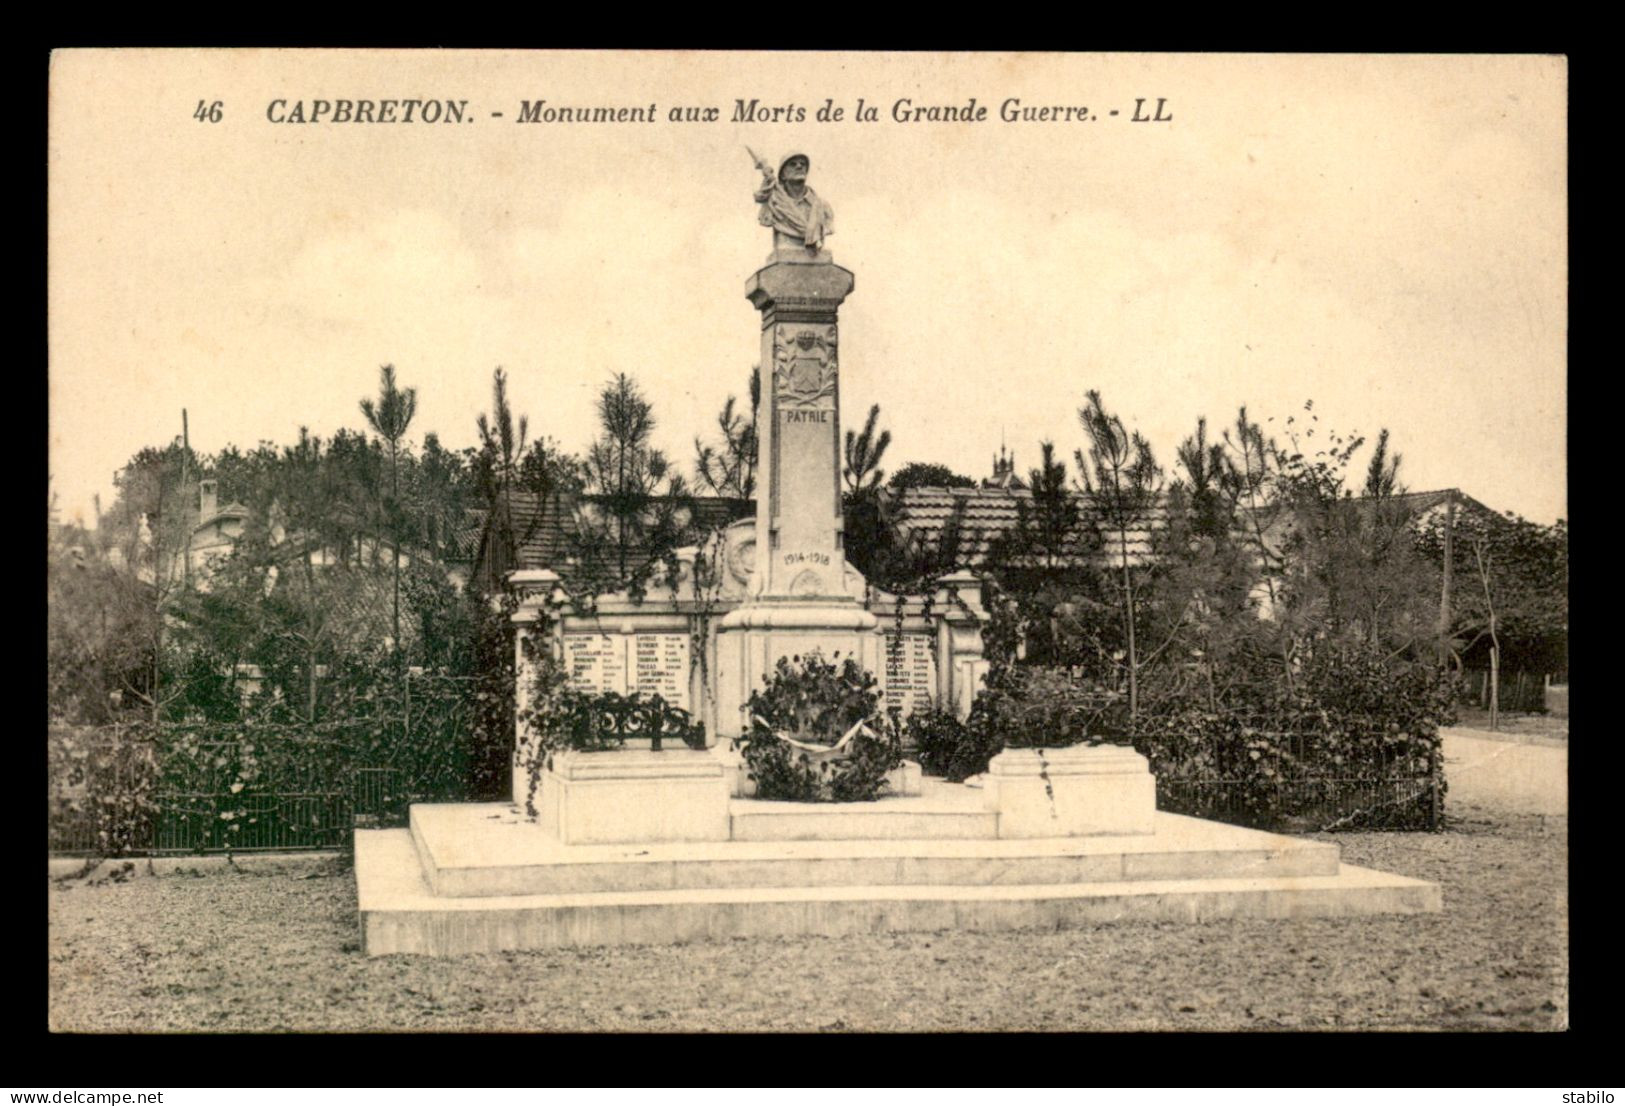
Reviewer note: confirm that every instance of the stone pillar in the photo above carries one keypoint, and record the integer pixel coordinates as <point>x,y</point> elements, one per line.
<point>798,520</point>
<point>962,670</point>
<point>539,592</point>
<point>803,595</point>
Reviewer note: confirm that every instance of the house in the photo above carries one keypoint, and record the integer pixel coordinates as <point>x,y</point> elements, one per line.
<point>978,518</point>
<point>216,534</point>
<point>528,531</point>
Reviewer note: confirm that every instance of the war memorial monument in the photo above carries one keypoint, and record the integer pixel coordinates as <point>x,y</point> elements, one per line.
<point>661,842</point>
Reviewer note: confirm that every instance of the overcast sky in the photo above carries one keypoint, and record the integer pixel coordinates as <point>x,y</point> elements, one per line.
<point>1385,236</point>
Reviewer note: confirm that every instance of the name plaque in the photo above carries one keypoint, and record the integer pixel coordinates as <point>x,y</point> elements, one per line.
<point>596,662</point>
<point>661,667</point>
<point>911,672</point>
<point>642,664</point>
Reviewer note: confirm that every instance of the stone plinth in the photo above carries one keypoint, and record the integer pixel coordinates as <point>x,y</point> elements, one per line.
<point>1071,792</point>
<point>752,639</point>
<point>634,796</point>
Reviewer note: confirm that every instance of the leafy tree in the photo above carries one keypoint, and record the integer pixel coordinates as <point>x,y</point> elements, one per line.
<point>1252,459</point>
<point>1199,593</point>
<point>1512,597</point>
<point>389,416</point>
<point>100,633</point>
<point>149,528</point>
<point>1123,480</point>
<point>925,474</point>
<point>309,546</point>
<point>441,486</point>
<point>729,468</point>
<point>1351,568</point>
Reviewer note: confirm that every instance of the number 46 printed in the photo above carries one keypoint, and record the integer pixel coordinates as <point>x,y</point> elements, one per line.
<point>207,112</point>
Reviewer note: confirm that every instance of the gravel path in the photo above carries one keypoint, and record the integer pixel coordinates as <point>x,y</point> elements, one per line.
<point>276,949</point>
<point>1503,773</point>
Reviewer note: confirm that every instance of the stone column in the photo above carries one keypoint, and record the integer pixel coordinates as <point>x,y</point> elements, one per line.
<point>798,520</point>
<point>803,595</point>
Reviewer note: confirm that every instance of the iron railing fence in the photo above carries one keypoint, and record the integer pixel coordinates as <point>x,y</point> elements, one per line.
<point>1325,803</point>
<point>106,810</point>
<point>1300,780</point>
<point>202,787</point>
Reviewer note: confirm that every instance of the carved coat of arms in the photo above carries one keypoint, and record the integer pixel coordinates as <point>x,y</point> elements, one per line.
<point>804,366</point>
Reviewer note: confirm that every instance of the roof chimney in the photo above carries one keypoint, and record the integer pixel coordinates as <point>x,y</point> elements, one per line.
<point>209,497</point>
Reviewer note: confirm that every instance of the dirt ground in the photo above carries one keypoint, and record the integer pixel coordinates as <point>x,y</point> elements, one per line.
<point>1510,724</point>
<point>1508,773</point>
<point>276,948</point>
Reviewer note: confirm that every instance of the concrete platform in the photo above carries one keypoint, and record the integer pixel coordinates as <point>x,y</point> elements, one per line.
<point>470,850</point>
<point>479,878</point>
<point>401,914</point>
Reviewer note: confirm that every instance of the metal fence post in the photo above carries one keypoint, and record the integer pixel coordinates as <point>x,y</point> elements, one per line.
<point>1433,787</point>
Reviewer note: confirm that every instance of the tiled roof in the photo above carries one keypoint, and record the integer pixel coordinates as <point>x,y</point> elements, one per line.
<point>988,514</point>
<point>359,599</point>
<point>543,527</point>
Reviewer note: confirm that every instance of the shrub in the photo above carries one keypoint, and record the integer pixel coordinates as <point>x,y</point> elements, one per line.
<point>950,748</point>
<point>103,782</point>
<point>1046,708</point>
<point>817,702</point>
<point>1352,743</point>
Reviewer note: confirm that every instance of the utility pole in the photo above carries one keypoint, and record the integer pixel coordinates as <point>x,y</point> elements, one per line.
<point>1449,568</point>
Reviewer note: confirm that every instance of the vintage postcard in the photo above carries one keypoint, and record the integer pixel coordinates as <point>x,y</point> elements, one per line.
<point>860,541</point>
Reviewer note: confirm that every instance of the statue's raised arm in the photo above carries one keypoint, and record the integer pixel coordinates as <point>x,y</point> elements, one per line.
<point>798,217</point>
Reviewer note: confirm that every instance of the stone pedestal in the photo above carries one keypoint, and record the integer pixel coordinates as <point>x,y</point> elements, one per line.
<point>751,639</point>
<point>1071,792</point>
<point>634,796</point>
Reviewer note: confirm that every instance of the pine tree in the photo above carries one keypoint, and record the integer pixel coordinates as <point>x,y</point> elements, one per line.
<point>502,447</point>
<point>1123,480</point>
<point>389,416</point>
<point>637,494</point>
<point>863,455</point>
<point>729,469</point>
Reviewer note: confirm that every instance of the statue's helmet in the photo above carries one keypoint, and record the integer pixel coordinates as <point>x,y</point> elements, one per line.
<point>788,158</point>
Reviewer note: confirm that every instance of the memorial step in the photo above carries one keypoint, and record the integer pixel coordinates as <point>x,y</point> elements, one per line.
<point>758,821</point>
<point>488,850</point>
<point>400,913</point>
<point>941,812</point>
